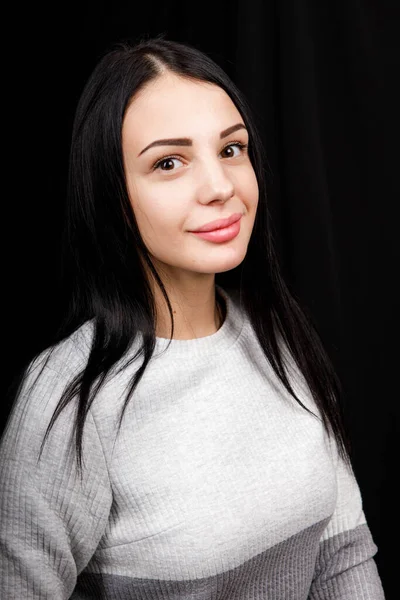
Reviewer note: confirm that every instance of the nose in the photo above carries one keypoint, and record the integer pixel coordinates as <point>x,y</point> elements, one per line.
<point>214,183</point>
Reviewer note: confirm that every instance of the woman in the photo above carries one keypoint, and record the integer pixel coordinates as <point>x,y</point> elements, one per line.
<point>182,436</point>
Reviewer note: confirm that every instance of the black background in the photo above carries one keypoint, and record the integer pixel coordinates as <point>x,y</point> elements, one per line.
<point>321,77</point>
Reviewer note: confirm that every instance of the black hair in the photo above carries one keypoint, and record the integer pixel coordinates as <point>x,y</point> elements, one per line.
<point>105,258</point>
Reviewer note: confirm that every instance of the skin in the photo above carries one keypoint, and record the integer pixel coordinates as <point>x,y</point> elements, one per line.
<point>210,179</point>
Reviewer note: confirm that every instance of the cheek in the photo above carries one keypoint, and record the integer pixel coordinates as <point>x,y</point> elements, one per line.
<point>160,213</point>
<point>247,190</point>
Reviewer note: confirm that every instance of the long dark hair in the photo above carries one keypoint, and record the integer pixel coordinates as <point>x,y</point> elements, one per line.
<point>105,257</point>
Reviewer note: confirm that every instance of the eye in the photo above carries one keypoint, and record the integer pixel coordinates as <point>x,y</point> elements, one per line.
<point>229,149</point>
<point>166,163</point>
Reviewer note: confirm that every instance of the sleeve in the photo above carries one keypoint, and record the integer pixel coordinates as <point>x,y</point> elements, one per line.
<point>345,568</point>
<point>52,517</point>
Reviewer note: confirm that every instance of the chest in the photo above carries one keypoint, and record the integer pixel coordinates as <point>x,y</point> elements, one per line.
<point>215,471</point>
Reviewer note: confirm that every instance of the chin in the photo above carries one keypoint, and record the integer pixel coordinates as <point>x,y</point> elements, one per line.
<point>229,263</point>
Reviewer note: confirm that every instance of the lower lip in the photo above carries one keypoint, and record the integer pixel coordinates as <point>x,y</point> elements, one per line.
<point>220,235</point>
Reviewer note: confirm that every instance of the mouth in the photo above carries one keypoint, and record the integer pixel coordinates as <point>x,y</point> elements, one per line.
<point>219,224</point>
<point>223,234</point>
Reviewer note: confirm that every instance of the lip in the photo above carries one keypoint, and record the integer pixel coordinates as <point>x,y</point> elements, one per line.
<point>218,236</point>
<point>218,224</point>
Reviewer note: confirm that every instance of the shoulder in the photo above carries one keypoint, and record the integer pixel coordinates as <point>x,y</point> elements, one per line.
<point>46,378</point>
<point>67,357</point>
<point>63,361</point>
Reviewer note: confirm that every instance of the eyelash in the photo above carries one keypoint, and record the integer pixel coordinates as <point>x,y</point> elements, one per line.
<point>243,148</point>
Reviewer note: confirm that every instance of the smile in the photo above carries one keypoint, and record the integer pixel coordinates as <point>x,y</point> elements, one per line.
<point>218,236</point>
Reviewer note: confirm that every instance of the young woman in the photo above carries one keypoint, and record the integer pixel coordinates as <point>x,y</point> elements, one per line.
<point>182,437</point>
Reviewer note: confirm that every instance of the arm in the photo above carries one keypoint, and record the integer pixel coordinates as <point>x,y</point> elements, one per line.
<point>345,568</point>
<point>51,518</point>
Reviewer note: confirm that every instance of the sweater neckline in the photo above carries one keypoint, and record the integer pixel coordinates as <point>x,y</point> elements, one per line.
<point>217,342</point>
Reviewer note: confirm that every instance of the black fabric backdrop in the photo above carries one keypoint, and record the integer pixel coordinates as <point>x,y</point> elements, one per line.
<point>321,78</point>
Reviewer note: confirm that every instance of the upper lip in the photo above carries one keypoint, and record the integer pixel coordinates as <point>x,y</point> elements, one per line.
<point>219,223</point>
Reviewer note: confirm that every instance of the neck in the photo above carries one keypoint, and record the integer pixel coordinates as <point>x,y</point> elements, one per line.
<point>195,308</point>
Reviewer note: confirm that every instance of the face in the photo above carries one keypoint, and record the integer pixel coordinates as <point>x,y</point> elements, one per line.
<point>186,163</point>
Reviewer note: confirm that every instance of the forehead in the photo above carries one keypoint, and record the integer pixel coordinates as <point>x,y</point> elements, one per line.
<point>173,106</point>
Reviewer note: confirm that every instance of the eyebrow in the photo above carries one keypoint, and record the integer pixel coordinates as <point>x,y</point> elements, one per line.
<point>188,141</point>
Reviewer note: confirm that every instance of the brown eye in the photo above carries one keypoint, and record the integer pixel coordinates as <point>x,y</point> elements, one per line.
<point>166,164</point>
<point>229,151</point>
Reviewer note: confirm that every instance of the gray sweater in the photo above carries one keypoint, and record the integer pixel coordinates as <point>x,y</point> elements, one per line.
<point>218,485</point>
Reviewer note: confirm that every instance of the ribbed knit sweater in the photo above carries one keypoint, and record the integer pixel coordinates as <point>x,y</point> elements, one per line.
<point>218,486</point>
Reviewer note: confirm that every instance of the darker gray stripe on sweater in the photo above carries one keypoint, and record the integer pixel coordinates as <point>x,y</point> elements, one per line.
<point>270,575</point>
<point>333,575</point>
